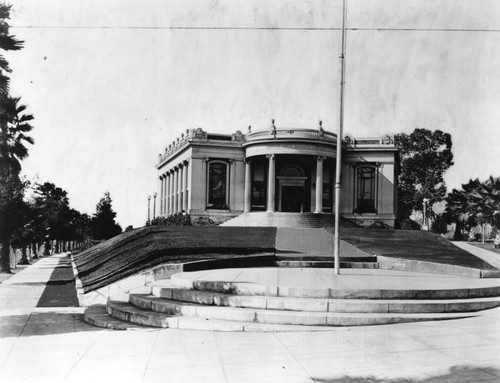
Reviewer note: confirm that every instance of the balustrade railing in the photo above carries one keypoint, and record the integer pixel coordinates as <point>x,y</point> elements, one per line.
<point>291,133</point>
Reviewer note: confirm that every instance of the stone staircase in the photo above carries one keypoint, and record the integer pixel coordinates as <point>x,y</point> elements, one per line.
<point>295,220</point>
<point>308,247</point>
<point>191,301</point>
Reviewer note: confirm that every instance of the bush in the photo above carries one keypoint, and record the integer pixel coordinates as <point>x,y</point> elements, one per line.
<point>178,219</point>
<point>204,221</point>
<point>439,225</point>
<point>379,225</point>
<point>409,224</point>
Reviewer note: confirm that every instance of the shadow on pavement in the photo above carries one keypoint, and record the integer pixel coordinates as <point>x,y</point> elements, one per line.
<point>60,290</point>
<point>456,374</point>
<point>43,323</point>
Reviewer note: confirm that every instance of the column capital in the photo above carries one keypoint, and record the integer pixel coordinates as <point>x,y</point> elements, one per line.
<point>270,155</point>
<point>321,158</point>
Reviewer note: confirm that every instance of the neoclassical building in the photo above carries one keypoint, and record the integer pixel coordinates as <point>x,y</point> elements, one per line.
<point>277,170</point>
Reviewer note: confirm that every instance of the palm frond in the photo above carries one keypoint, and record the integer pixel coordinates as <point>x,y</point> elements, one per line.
<point>10,43</point>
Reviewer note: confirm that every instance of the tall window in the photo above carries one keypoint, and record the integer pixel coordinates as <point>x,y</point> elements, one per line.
<point>365,190</point>
<point>217,185</point>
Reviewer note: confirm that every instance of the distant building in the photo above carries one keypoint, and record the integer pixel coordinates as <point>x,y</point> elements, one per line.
<point>285,170</point>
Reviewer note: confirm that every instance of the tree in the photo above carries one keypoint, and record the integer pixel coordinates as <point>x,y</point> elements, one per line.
<point>439,225</point>
<point>484,201</point>
<point>103,221</point>
<point>425,157</point>
<point>477,203</point>
<point>457,212</point>
<point>11,203</point>
<point>7,43</point>
<point>13,128</point>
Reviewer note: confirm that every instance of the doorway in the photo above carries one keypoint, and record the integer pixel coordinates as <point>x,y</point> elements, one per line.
<point>292,198</point>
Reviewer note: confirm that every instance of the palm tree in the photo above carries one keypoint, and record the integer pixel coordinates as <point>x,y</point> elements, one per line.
<point>7,43</point>
<point>14,125</point>
<point>458,211</point>
<point>485,201</point>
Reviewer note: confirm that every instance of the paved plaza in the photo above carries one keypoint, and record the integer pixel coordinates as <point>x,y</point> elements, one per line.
<point>53,344</point>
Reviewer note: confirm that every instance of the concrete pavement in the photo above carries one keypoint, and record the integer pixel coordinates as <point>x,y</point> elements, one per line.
<point>488,256</point>
<point>53,344</point>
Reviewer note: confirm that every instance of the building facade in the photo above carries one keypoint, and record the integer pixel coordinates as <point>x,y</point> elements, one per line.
<point>277,170</point>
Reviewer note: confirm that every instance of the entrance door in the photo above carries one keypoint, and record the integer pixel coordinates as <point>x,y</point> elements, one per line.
<point>292,198</point>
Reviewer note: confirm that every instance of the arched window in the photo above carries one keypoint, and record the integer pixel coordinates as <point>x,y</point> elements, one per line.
<point>217,188</point>
<point>366,190</point>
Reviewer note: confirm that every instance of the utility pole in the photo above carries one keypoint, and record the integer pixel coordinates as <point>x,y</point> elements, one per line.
<point>149,203</point>
<point>338,164</point>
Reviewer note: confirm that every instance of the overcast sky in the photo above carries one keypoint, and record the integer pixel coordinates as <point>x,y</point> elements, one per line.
<point>112,83</point>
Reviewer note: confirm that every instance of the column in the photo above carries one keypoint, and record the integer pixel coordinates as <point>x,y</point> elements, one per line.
<point>181,188</point>
<point>167,196</point>
<point>319,185</point>
<point>190,185</point>
<point>164,195</point>
<point>174,191</point>
<point>165,186</point>
<point>162,184</point>
<point>185,183</point>
<point>271,185</point>
<point>248,187</point>
<point>171,192</point>
<point>204,184</point>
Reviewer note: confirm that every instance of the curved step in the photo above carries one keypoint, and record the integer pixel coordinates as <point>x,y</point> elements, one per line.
<point>97,316</point>
<point>325,264</point>
<point>305,318</point>
<point>245,288</point>
<point>152,319</point>
<point>322,304</point>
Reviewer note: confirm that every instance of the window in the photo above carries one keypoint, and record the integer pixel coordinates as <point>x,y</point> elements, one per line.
<point>217,185</point>
<point>365,190</point>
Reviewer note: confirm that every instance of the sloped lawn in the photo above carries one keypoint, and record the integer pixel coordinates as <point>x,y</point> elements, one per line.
<point>140,249</point>
<point>412,245</point>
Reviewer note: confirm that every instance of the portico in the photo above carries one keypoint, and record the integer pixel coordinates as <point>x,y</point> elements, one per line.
<point>277,170</point>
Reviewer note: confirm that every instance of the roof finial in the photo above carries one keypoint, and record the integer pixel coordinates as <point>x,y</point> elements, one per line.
<point>249,128</point>
<point>321,130</point>
<point>273,128</point>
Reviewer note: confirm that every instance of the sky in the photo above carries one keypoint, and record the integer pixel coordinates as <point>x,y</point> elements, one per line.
<point>112,82</point>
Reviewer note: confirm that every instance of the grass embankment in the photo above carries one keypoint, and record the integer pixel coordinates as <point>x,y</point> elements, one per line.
<point>140,249</point>
<point>411,245</point>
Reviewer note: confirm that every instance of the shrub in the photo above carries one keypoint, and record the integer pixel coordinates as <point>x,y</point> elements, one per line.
<point>203,221</point>
<point>379,225</point>
<point>409,224</point>
<point>178,219</point>
<point>439,225</point>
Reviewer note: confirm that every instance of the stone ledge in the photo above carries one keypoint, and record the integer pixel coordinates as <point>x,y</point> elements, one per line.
<point>389,263</point>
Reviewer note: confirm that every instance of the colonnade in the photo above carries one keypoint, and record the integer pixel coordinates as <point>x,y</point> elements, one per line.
<point>175,185</point>
<point>271,184</point>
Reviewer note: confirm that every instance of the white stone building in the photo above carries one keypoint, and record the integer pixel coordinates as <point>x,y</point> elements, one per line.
<point>277,170</point>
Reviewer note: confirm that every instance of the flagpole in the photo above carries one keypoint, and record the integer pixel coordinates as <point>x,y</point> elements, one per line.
<point>338,165</point>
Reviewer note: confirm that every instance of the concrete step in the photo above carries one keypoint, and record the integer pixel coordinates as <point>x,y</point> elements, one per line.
<point>172,308</point>
<point>243,288</point>
<point>325,305</point>
<point>97,316</point>
<point>325,258</point>
<point>294,220</point>
<point>148,318</point>
<point>326,264</point>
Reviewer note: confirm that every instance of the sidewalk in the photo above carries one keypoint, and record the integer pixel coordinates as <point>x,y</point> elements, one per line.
<point>53,344</point>
<point>488,256</point>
